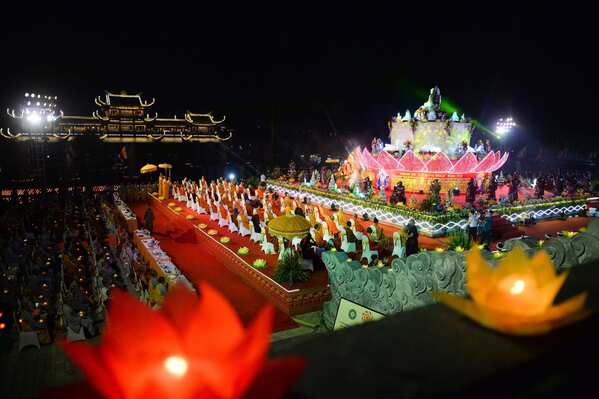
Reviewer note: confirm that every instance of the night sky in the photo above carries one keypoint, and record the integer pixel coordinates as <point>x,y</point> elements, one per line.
<point>347,67</point>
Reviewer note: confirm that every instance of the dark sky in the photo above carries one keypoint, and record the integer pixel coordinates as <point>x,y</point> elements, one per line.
<point>358,63</point>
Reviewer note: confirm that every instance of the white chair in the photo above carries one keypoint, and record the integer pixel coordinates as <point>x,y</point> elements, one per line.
<point>28,338</point>
<point>267,247</point>
<point>366,252</point>
<point>358,235</point>
<point>213,215</point>
<point>326,236</point>
<point>347,246</point>
<point>295,242</point>
<point>243,230</point>
<point>231,226</point>
<point>254,236</point>
<point>222,222</point>
<point>200,209</point>
<point>398,248</point>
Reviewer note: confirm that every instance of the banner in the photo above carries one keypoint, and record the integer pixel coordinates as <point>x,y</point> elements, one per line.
<point>351,314</point>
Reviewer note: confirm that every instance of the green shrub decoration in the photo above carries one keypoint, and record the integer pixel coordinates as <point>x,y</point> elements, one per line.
<point>459,238</point>
<point>289,269</point>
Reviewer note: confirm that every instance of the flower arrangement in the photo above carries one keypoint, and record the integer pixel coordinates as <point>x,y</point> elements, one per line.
<point>176,362</point>
<point>259,264</point>
<point>570,234</point>
<point>243,251</point>
<point>225,240</point>
<point>517,296</point>
<point>439,249</point>
<point>212,232</point>
<point>289,270</point>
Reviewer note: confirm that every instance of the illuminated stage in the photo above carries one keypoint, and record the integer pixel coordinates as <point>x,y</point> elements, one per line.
<point>431,145</point>
<point>417,173</point>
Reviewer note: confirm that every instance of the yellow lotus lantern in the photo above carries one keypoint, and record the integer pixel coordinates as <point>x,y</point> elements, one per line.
<point>517,296</point>
<point>189,217</point>
<point>178,209</point>
<point>172,204</point>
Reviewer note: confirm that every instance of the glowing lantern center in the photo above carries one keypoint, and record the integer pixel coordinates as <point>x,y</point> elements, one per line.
<point>517,287</point>
<point>176,365</point>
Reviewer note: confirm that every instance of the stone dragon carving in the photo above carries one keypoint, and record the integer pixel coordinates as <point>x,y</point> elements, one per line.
<point>409,282</point>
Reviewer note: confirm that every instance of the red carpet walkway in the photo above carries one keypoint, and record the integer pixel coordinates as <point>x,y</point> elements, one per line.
<point>198,264</point>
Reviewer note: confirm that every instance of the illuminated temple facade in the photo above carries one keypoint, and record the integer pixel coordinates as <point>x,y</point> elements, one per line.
<point>119,118</point>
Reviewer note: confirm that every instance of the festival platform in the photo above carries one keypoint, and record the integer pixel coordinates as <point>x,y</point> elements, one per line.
<point>429,224</point>
<point>297,299</point>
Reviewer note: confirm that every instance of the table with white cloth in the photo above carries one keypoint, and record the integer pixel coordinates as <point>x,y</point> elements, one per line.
<point>125,213</point>
<point>150,250</point>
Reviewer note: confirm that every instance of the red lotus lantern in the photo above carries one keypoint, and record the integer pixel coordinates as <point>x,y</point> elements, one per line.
<point>192,348</point>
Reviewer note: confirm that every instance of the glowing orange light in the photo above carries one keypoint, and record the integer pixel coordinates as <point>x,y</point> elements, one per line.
<point>2,326</point>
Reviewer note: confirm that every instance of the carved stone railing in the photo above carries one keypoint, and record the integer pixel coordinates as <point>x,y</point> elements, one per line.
<point>409,282</point>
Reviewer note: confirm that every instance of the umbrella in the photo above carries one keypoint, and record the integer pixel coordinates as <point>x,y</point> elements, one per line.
<point>167,167</point>
<point>289,226</point>
<point>148,168</point>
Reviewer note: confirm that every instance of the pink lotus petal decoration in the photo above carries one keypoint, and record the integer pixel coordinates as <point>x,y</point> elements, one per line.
<point>387,160</point>
<point>439,163</point>
<point>410,162</point>
<point>369,160</point>
<point>486,163</point>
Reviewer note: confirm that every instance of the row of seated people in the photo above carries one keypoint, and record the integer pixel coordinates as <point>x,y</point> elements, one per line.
<point>247,211</point>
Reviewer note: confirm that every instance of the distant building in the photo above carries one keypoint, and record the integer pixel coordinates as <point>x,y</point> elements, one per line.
<point>121,118</point>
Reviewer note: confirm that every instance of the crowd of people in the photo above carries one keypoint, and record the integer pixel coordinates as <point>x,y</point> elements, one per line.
<point>248,209</point>
<point>61,254</point>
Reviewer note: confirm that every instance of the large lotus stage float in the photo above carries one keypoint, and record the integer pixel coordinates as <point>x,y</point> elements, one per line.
<point>429,146</point>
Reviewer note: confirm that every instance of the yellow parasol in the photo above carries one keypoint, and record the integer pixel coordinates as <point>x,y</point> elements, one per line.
<point>148,168</point>
<point>289,226</point>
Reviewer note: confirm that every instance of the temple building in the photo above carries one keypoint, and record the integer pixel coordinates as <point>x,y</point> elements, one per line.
<point>120,118</point>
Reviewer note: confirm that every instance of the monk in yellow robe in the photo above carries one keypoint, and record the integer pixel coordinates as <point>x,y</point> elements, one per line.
<point>244,220</point>
<point>341,218</point>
